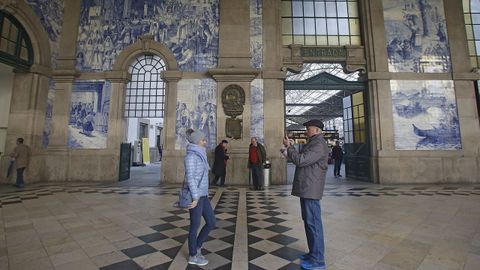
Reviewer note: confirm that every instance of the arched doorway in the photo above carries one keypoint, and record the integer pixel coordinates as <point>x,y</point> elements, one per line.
<point>145,114</point>
<point>324,91</point>
<point>16,53</point>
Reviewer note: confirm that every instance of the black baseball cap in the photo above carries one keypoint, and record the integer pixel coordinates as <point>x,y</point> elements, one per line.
<point>315,123</point>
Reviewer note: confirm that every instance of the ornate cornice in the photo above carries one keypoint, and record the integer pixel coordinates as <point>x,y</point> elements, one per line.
<point>234,74</point>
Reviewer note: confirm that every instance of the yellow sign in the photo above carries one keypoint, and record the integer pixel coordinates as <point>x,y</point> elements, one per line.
<point>145,150</point>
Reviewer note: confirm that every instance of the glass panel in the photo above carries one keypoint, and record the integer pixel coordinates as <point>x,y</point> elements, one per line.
<point>468,19</point>
<point>475,5</point>
<point>331,9</point>
<point>3,45</point>
<point>357,137</point>
<point>297,9</point>
<point>361,111</point>
<point>357,98</point>
<point>24,54</point>
<point>13,33</point>
<point>469,29</point>
<point>332,27</point>
<point>343,27</point>
<point>344,40</point>
<point>353,9</point>
<point>287,40</point>
<point>6,27</point>
<point>476,30</point>
<point>308,9</point>
<point>322,40</point>
<point>287,26</point>
<point>354,27</point>
<point>473,61</point>
<point>299,40</point>
<point>355,40</point>
<point>286,9</point>
<point>309,26</point>
<point>471,48</point>
<point>333,40</point>
<point>298,26</point>
<point>476,18</point>
<point>320,9</point>
<point>321,26</point>
<point>310,40</point>
<point>11,48</point>
<point>466,6</point>
<point>342,9</point>
<point>347,102</point>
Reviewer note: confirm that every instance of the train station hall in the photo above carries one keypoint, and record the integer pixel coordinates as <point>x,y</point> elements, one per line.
<point>240,134</point>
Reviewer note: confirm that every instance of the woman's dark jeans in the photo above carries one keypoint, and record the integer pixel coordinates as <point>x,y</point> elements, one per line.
<point>204,209</point>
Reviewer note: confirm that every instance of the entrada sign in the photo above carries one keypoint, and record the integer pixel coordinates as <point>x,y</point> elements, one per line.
<point>324,52</point>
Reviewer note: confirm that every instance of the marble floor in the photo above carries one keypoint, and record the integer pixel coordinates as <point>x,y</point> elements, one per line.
<point>85,226</point>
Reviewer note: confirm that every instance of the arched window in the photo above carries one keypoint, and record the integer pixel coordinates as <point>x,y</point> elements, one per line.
<point>320,22</point>
<point>146,91</point>
<point>15,46</point>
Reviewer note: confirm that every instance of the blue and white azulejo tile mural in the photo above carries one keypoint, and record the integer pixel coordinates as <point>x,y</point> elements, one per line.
<point>188,28</point>
<point>416,36</point>
<point>425,115</point>
<point>50,13</point>
<point>256,125</point>
<point>196,109</point>
<point>256,33</point>
<point>89,110</point>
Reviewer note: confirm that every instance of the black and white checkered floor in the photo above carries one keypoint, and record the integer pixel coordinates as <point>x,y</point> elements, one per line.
<point>79,226</point>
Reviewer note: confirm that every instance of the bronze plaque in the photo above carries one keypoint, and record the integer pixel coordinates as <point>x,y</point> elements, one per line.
<point>233,128</point>
<point>233,100</point>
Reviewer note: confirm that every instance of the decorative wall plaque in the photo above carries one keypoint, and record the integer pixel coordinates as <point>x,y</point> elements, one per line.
<point>233,99</point>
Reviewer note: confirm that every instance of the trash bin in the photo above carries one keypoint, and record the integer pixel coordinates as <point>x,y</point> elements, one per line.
<point>267,173</point>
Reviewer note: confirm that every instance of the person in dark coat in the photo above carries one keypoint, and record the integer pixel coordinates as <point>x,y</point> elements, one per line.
<point>308,184</point>
<point>220,163</point>
<point>337,155</point>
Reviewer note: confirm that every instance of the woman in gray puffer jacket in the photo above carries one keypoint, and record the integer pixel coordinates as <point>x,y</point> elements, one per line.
<point>196,173</point>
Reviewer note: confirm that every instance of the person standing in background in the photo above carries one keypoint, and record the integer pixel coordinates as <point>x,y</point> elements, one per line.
<point>21,155</point>
<point>256,158</point>
<point>337,155</point>
<point>220,163</point>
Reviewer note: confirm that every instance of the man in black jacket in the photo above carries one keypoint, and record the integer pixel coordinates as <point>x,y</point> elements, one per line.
<point>337,155</point>
<point>220,163</point>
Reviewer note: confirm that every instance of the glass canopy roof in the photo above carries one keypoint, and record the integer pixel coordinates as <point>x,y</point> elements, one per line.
<point>316,103</point>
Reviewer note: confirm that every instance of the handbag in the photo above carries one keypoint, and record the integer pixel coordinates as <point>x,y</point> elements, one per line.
<point>185,196</point>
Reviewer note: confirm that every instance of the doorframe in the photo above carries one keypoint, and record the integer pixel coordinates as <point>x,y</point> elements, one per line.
<point>328,81</point>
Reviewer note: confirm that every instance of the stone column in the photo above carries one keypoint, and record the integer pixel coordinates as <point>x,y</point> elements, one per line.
<point>237,170</point>
<point>234,68</point>
<point>273,92</point>
<point>379,98</point>
<point>57,159</point>
<point>173,160</point>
